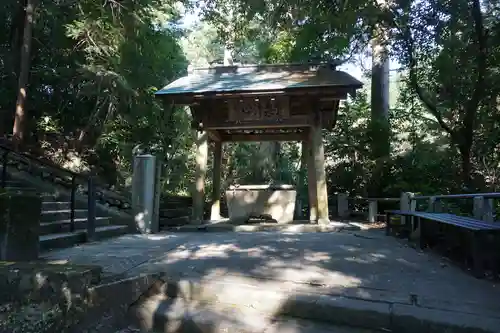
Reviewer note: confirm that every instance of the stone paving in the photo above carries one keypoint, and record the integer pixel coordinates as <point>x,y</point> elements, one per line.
<point>364,265</point>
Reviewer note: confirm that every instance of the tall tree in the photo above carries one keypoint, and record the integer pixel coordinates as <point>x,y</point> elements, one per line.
<point>94,68</point>
<point>379,124</point>
<point>24,69</point>
<point>444,47</point>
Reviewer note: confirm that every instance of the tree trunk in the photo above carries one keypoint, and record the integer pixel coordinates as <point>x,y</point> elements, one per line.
<point>228,54</point>
<point>18,130</point>
<point>379,126</point>
<point>465,156</point>
<point>380,89</point>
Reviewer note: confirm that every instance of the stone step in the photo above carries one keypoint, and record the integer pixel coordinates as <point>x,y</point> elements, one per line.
<point>278,325</point>
<point>174,222</point>
<point>175,212</point>
<point>175,203</point>
<point>296,325</point>
<point>50,197</point>
<point>226,225</point>
<point>68,239</point>
<point>46,197</point>
<point>180,317</point>
<point>60,226</point>
<point>61,214</point>
<point>16,183</point>
<point>232,303</point>
<point>54,205</point>
<point>62,202</point>
<point>21,189</point>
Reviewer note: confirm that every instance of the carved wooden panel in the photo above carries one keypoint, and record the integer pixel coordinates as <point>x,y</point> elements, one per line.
<point>258,108</point>
<point>244,109</point>
<point>299,106</point>
<point>211,112</point>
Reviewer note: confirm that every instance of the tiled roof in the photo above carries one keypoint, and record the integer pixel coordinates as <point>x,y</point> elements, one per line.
<point>259,78</point>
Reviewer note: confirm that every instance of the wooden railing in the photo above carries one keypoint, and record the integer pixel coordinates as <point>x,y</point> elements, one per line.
<point>482,205</point>
<point>74,182</point>
<point>54,174</point>
<point>369,207</point>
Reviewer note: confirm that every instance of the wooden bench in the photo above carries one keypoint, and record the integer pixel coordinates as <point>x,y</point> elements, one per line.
<point>477,232</point>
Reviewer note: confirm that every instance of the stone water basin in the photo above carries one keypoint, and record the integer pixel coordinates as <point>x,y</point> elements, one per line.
<point>278,201</point>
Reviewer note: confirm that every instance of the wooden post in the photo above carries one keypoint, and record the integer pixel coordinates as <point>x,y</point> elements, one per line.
<point>311,184</point>
<point>301,181</point>
<point>483,209</point>
<point>406,203</point>
<point>343,205</point>
<point>372,211</point>
<point>198,194</point>
<point>215,209</point>
<point>318,152</point>
<point>435,205</point>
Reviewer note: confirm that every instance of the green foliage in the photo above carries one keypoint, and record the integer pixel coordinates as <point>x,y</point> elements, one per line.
<point>94,69</point>
<point>449,51</point>
<point>202,45</point>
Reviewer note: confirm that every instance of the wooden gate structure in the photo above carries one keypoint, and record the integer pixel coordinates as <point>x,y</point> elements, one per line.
<point>290,102</point>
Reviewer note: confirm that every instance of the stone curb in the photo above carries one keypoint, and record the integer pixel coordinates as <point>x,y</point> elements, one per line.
<point>335,310</point>
<point>43,281</point>
<point>223,227</point>
<point>85,310</point>
<point>111,301</point>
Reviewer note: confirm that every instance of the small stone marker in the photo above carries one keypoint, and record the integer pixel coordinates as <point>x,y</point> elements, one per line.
<point>19,226</point>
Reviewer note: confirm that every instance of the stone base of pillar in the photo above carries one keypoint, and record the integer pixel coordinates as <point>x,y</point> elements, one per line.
<point>323,221</point>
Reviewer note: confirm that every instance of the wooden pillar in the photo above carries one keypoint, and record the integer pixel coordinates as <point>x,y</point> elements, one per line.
<point>215,209</point>
<point>198,194</point>
<point>311,184</point>
<point>318,152</point>
<point>301,180</point>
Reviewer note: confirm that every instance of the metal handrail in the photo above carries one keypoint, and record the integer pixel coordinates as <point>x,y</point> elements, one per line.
<point>375,199</point>
<point>489,195</point>
<point>73,176</point>
<point>40,161</point>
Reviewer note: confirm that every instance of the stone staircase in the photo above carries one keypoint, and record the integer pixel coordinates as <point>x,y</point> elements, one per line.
<point>175,211</point>
<point>55,220</point>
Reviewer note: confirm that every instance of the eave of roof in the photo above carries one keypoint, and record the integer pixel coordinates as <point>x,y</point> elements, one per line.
<point>255,79</point>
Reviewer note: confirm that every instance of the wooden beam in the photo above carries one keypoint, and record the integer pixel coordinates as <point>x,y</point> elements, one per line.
<point>214,135</point>
<point>263,137</point>
<point>297,121</point>
<point>318,92</point>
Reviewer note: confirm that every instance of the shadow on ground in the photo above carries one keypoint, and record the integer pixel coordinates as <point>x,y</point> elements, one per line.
<point>364,265</point>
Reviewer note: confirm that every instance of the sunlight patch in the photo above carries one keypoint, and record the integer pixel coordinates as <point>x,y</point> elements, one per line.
<point>316,256</point>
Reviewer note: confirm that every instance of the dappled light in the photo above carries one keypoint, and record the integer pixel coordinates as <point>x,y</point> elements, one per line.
<point>203,235</point>
<point>337,262</point>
